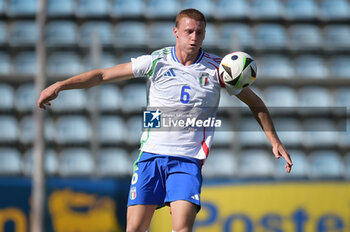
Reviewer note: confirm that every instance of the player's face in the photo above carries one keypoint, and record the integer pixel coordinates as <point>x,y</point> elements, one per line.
<point>189,34</point>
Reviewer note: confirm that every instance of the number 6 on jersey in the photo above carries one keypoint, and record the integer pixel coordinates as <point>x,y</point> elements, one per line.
<point>185,96</point>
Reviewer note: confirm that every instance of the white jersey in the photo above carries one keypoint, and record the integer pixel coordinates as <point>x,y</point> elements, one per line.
<point>171,85</point>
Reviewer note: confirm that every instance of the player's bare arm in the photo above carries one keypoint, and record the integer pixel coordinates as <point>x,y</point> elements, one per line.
<point>261,113</point>
<point>86,80</point>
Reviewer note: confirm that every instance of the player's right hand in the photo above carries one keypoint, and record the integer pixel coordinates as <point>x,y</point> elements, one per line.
<point>47,95</point>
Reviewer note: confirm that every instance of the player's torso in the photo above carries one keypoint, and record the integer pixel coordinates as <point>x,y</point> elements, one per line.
<point>173,84</point>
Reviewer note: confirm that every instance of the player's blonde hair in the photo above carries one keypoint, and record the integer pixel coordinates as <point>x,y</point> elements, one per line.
<point>190,13</point>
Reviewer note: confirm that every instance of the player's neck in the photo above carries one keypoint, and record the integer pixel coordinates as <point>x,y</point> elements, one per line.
<point>186,58</point>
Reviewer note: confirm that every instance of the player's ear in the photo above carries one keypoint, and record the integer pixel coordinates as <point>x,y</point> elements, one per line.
<point>175,30</point>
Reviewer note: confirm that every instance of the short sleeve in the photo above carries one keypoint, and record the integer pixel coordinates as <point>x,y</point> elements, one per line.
<point>232,91</point>
<point>141,65</point>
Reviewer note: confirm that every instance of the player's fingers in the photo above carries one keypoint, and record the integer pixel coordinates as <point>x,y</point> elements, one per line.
<point>41,101</point>
<point>40,104</point>
<point>286,156</point>
<point>288,168</point>
<point>275,152</point>
<point>45,100</point>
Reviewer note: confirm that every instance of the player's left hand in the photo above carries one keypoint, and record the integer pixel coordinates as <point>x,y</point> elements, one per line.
<point>47,95</point>
<point>279,150</point>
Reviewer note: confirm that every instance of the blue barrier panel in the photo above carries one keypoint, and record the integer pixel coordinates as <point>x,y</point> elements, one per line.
<point>75,204</point>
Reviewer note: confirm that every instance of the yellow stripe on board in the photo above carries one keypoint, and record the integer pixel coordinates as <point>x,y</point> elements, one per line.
<point>279,207</point>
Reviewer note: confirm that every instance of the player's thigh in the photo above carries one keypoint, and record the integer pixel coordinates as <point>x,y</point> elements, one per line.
<point>183,215</point>
<point>139,217</point>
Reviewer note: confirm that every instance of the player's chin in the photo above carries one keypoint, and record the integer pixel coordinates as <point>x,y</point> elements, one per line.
<point>193,48</point>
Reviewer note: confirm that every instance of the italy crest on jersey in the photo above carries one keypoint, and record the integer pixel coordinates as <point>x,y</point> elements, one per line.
<point>204,79</point>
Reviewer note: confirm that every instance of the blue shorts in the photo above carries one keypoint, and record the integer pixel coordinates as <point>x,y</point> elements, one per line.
<point>161,179</point>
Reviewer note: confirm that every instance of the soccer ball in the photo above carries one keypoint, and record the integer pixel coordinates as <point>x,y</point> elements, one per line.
<point>238,70</point>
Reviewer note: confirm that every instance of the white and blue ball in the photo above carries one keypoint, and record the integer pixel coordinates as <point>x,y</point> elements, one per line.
<point>238,70</point>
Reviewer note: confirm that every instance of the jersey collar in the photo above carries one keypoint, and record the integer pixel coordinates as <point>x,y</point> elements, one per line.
<point>199,58</point>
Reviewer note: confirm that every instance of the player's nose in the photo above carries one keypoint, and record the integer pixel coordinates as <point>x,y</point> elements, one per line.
<point>194,36</point>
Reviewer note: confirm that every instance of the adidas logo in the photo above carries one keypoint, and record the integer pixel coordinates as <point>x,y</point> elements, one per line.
<point>195,197</point>
<point>170,73</point>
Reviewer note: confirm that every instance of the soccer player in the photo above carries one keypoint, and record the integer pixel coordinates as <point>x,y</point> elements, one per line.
<point>183,77</point>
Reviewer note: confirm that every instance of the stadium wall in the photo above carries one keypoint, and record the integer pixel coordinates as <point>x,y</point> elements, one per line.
<point>83,204</point>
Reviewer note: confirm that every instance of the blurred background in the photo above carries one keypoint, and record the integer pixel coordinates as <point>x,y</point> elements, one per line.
<point>302,48</point>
